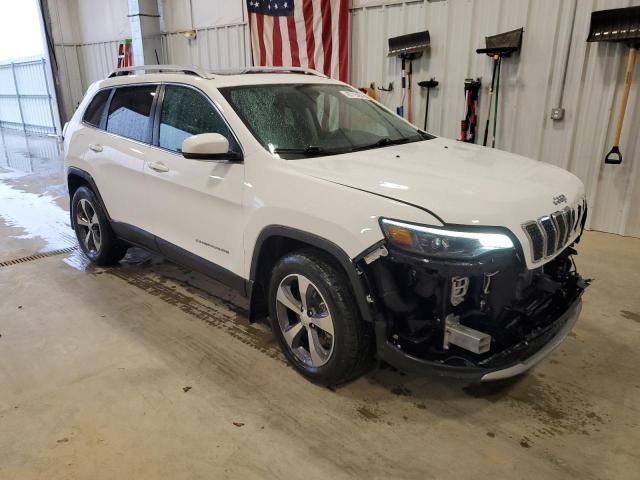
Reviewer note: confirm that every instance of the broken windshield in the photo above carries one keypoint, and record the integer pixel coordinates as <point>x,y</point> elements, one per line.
<point>301,120</point>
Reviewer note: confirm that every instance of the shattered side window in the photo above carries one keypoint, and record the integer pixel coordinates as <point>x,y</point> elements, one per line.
<point>185,113</point>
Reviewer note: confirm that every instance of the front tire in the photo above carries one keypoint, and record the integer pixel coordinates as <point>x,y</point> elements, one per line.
<point>314,316</point>
<point>93,231</point>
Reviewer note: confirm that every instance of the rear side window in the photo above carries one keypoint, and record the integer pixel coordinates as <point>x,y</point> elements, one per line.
<point>93,114</point>
<point>186,112</point>
<point>130,110</point>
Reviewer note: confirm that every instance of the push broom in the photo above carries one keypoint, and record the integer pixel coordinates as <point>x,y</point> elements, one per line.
<point>618,25</point>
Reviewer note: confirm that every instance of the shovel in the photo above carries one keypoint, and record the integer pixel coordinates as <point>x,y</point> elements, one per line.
<point>408,47</point>
<point>618,25</point>
<point>498,46</point>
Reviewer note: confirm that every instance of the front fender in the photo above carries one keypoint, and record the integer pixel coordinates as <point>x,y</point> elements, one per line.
<point>346,217</point>
<point>355,276</point>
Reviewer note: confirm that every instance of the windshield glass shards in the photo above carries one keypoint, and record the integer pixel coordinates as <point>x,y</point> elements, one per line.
<point>306,120</point>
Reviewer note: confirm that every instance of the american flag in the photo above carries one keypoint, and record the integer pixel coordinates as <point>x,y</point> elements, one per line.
<point>301,33</point>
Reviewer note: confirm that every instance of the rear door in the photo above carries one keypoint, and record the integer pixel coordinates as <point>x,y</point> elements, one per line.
<point>197,203</point>
<point>118,153</point>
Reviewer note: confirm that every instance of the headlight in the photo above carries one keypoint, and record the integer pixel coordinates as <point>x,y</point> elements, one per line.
<point>437,242</point>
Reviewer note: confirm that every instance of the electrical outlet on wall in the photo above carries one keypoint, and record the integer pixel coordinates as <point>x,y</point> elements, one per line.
<point>557,113</point>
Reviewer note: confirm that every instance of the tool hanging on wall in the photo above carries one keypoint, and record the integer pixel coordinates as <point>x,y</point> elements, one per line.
<point>493,83</point>
<point>369,91</point>
<point>408,48</point>
<point>406,87</point>
<point>470,122</point>
<point>124,53</point>
<point>428,84</point>
<point>495,105</point>
<point>498,47</point>
<point>618,25</point>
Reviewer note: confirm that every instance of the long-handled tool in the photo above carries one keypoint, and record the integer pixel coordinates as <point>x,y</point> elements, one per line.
<point>428,84</point>
<point>498,47</point>
<point>618,25</point>
<point>408,48</point>
<point>406,58</point>
<point>496,59</point>
<point>470,122</point>
<point>409,92</point>
<point>495,105</point>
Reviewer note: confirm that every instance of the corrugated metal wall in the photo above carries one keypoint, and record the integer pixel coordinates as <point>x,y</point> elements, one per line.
<point>219,47</point>
<point>25,100</point>
<point>79,67</point>
<point>530,84</point>
<point>71,88</point>
<point>97,60</point>
<point>529,87</point>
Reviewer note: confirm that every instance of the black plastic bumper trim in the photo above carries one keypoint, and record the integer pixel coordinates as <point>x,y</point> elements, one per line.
<point>408,363</point>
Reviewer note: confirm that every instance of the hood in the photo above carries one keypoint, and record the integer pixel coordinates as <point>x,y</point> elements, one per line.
<point>459,182</point>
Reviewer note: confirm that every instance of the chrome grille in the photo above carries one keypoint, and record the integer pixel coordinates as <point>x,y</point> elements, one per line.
<point>561,222</point>
<point>534,232</point>
<point>579,216</point>
<point>572,218</point>
<point>551,233</point>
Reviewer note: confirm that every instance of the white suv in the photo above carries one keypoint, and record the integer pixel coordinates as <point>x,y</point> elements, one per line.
<point>356,233</point>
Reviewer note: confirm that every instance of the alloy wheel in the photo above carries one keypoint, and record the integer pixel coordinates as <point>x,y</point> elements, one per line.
<point>88,226</point>
<point>305,320</point>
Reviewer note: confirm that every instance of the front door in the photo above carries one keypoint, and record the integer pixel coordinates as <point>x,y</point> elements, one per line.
<point>197,203</point>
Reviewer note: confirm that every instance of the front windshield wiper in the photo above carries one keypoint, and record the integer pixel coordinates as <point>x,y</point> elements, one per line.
<point>313,150</point>
<point>383,142</point>
<point>425,136</point>
<point>309,150</point>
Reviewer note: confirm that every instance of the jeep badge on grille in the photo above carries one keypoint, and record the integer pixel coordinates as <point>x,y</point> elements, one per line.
<point>557,200</point>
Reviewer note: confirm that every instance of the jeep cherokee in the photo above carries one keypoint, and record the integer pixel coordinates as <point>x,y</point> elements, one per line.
<point>357,234</point>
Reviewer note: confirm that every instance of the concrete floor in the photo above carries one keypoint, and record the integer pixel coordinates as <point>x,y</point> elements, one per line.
<point>148,371</point>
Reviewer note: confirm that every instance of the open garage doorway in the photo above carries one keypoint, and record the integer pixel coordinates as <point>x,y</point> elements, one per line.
<point>27,92</point>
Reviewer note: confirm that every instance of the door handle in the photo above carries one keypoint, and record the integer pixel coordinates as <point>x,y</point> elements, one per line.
<point>95,147</point>
<point>158,167</point>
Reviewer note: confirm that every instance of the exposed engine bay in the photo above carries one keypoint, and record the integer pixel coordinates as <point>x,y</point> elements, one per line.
<point>484,313</point>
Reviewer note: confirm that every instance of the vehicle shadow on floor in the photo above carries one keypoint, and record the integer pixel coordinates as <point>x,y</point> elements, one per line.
<point>160,277</point>
<point>384,394</point>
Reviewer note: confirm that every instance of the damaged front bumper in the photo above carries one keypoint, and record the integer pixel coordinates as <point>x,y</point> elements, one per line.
<point>484,320</point>
<point>532,351</point>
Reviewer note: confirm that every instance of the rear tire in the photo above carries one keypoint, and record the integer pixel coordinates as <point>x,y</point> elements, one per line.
<point>93,231</point>
<point>322,336</point>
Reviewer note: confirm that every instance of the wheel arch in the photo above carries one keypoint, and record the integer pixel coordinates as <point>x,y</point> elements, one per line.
<point>76,178</point>
<point>274,241</point>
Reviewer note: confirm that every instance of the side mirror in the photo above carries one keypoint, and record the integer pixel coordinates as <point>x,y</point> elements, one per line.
<point>209,146</point>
